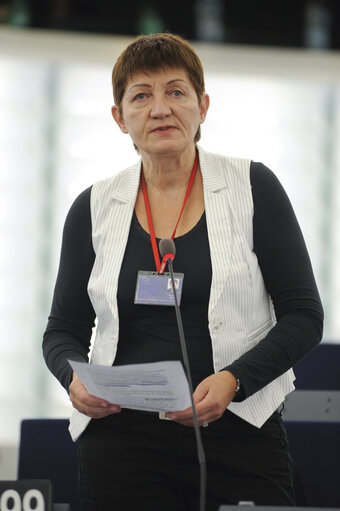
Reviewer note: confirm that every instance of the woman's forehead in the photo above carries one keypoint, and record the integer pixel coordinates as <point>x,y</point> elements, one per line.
<point>165,75</point>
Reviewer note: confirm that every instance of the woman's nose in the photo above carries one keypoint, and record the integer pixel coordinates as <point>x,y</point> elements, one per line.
<point>160,107</point>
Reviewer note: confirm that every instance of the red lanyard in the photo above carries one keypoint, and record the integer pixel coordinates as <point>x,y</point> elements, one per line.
<point>149,216</point>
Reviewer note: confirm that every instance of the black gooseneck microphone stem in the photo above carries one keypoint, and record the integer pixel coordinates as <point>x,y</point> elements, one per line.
<point>200,450</point>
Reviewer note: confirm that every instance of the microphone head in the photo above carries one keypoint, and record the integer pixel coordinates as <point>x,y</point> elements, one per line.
<point>167,246</point>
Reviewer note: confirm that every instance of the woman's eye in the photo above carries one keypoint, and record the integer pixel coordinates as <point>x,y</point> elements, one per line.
<point>177,93</point>
<point>140,96</point>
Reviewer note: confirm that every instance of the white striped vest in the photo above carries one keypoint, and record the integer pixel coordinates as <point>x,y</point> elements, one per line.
<point>240,310</point>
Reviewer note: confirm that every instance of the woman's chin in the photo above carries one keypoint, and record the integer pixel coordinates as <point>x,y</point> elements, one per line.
<point>166,147</point>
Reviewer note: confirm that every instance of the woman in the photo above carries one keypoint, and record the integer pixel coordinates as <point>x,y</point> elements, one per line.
<point>250,305</point>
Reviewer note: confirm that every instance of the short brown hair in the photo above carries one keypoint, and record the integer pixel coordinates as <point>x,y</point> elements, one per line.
<point>152,53</point>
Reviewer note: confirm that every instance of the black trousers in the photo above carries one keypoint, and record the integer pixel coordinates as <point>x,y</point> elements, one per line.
<point>135,461</point>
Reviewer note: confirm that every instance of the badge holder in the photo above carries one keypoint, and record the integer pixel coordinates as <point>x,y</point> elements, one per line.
<point>155,289</point>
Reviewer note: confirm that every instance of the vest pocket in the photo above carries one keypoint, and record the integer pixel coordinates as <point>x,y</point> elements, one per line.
<point>257,335</point>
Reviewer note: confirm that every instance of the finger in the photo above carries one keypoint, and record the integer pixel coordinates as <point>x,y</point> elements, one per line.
<point>97,413</point>
<point>180,415</point>
<point>206,411</point>
<point>101,415</point>
<point>201,392</point>
<point>95,402</point>
<point>187,418</point>
<point>80,397</point>
<point>87,404</point>
<point>191,423</point>
<point>93,405</point>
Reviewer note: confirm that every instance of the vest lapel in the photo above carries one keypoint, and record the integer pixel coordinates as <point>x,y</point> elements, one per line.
<point>113,205</point>
<point>123,203</point>
<point>218,215</point>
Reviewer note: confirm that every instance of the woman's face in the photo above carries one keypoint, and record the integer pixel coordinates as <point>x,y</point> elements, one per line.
<point>161,112</point>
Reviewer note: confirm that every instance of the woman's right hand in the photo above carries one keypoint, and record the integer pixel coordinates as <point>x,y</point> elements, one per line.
<point>91,406</point>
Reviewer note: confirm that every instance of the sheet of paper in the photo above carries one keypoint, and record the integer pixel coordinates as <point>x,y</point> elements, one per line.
<point>158,386</point>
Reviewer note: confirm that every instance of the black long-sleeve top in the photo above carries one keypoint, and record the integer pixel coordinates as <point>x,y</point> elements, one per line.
<point>148,333</point>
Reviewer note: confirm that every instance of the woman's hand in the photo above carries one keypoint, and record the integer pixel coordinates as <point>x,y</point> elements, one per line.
<point>211,398</point>
<point>91,406</point>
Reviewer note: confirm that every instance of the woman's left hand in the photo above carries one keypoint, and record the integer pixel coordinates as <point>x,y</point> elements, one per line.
<point>211,398</point>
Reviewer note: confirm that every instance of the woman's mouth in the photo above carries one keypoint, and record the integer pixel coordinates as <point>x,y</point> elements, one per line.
<point>163,129</point>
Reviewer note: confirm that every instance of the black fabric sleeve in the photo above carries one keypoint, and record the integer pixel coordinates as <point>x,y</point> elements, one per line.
<point>69,328</point>
<point>289,279</point>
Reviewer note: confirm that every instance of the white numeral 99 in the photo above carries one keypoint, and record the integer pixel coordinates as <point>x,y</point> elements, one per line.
<point>13,497</point>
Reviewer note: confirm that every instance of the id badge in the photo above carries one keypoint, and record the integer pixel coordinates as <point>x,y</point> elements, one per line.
<point>155,289</point>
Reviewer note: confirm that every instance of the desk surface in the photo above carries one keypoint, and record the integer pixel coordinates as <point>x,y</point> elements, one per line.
<point>248,507</point>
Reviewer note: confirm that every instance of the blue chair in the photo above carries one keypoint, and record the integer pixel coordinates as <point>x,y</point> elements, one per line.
<point>46,451</point>
<point>319,370</point>
<point>315,449</point>
<point>312,422</point>
<point>317,394</point>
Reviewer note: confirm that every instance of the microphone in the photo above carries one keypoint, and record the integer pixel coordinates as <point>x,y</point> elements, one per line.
<point>167,250</point>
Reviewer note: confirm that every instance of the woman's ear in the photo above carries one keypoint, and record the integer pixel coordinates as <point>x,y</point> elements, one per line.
<point>204,107</point>
<point>118,118</point>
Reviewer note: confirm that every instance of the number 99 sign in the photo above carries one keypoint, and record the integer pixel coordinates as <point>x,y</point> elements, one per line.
<point>25,495</point>
<point>33,500</point>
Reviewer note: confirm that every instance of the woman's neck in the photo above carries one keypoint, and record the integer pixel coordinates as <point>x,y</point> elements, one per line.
<point>166,172</point>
